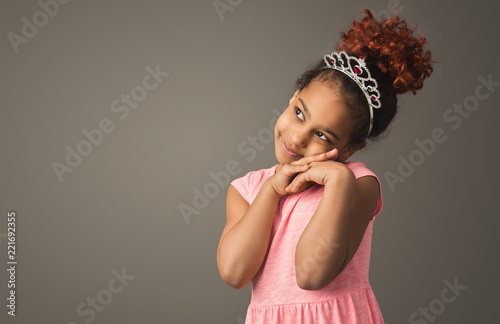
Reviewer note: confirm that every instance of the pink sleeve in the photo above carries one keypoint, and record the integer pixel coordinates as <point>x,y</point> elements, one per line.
<point>242,185</point>
<point>360,170</point>
<point>249,185</point>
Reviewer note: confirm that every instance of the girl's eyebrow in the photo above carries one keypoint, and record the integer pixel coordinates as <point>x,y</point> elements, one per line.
<point>327,130</point>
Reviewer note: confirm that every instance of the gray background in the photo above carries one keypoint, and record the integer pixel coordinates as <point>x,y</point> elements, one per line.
<point>120,206</point>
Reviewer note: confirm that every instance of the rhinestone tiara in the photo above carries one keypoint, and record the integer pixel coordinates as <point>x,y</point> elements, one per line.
<point>355,68</point>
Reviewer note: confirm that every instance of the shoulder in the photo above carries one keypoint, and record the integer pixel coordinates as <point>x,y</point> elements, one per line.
<point>367,182</point>
<point>359,169</point>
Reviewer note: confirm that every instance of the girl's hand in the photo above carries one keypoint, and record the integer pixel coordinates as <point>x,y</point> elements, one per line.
<point>330,155</point>
<point>318,172</point>
<point>285,173</point>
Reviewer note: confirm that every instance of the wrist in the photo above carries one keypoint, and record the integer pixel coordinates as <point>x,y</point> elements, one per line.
<point>339,176</point>
<point>270,186</point>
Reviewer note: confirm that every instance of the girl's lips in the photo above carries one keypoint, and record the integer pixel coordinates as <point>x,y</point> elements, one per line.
<point>287,150</point>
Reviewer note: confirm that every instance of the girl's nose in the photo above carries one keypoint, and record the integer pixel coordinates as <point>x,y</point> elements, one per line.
<point>298,139</point>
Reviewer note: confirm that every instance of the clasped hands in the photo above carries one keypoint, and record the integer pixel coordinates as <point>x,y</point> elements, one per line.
<point>299,175</point>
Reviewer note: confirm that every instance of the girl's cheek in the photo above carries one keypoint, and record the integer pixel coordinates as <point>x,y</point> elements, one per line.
<point>284,121</point>
<point>280,124</point>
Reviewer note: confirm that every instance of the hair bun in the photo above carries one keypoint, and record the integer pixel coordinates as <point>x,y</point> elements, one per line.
<point>391,46</point>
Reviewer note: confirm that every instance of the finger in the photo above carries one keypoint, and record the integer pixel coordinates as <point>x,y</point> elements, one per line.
<point>290,169</point>
<point>311,158</point>
<point>297,188</point>
<point>332,154</point>
<point>329,155</point>
<point>297,183</point>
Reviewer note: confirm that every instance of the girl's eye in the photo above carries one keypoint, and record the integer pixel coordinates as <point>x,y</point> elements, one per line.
<point>322,136</point>
<point>299,113</point>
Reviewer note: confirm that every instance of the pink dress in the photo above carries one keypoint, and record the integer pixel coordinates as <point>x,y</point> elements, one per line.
<point>276,297</point>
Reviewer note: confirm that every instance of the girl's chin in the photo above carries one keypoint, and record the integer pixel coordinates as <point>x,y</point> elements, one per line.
<point>283,159</point>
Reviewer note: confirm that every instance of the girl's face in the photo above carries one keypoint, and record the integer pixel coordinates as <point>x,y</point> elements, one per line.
<point>316,121</point>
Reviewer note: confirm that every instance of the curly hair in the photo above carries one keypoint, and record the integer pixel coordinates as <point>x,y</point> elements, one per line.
<point>395,58</point>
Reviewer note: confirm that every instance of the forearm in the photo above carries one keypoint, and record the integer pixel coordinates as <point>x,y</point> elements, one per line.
<point>244,247</point>
<point>321,249</point>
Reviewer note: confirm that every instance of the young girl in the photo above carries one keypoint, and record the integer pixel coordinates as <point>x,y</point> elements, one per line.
<point>301,230</point>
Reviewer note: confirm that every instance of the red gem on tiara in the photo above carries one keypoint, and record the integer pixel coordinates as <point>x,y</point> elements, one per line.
<point>357,70</point>
<point>373,98</point>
